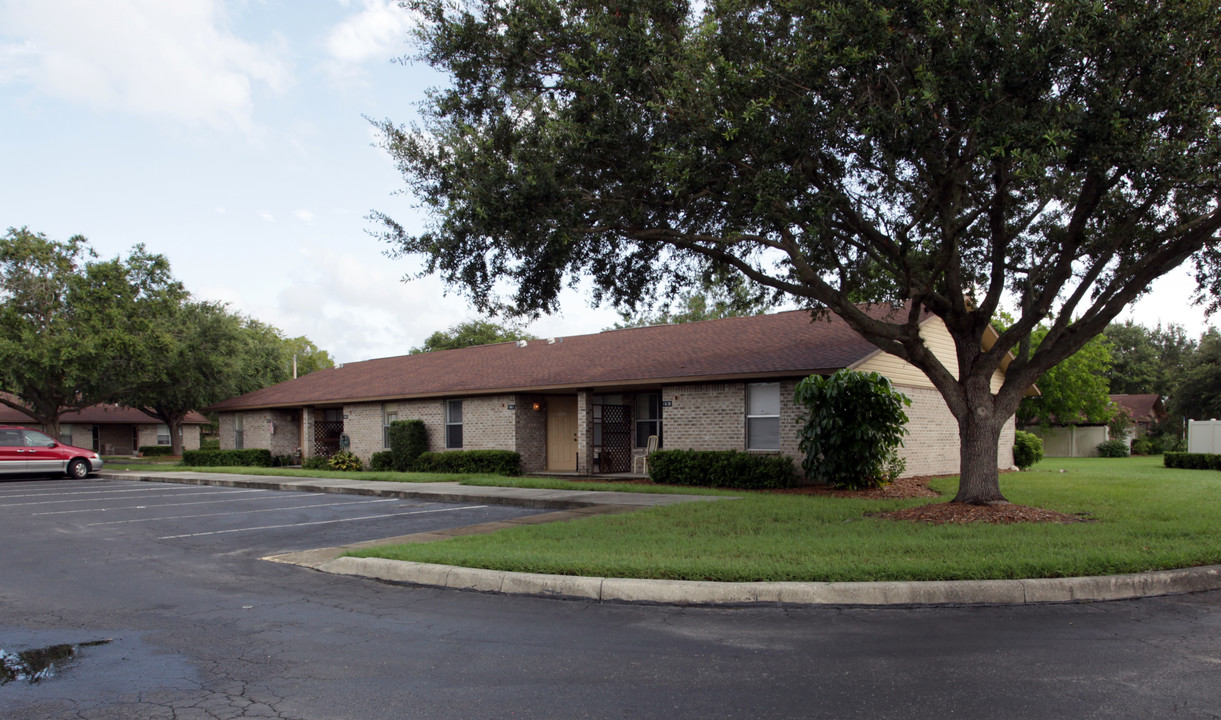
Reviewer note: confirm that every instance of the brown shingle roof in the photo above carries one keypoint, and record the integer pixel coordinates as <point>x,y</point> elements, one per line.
<point>103,414</point>
<point>787,343</point>
<point>1144,407</point>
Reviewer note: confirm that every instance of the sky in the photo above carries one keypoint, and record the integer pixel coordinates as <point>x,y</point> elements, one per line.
<point>232,136</point>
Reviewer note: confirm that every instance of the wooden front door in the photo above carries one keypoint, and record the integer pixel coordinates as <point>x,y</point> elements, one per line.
<point>562,434</point>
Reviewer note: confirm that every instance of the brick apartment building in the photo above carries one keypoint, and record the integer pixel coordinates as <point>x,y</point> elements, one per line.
<point>112,429</point>
<point>587,404</point>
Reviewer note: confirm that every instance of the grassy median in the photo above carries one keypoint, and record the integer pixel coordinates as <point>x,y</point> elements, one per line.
<point>1140,515</point>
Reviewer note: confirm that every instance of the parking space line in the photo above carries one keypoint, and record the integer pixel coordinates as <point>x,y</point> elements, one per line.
<point>160,505</point>
<point>243,512</point>
<point>26,485</point>
<point>319,522</point>
<point>96,492</point>
<point>60,502</point>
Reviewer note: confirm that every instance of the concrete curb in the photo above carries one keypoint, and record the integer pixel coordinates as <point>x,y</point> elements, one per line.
<point>697,593</point>
<point>667,592</point>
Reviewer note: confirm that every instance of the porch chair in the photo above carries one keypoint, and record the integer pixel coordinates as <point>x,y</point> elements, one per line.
<point>643,460</point>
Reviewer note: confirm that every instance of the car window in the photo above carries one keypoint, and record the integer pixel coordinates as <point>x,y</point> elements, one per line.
<point>33,438</point>
<point>10,438</point>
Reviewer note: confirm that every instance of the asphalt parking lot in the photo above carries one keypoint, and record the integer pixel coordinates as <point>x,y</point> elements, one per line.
<point>230,520</point>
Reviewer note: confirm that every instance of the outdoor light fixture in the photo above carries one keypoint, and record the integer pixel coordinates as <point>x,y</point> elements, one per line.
<point>537,406</point>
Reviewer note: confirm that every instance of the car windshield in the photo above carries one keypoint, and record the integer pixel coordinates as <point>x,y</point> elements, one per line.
<point>33,438</point>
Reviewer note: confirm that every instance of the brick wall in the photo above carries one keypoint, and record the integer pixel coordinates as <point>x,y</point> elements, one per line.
<point>286,437</point>
<point>487,423</point>
<point>256,430</point>
<point>363,426</point>
<point>704,417</point>
<point>932,446</point>
<point>531,430</point>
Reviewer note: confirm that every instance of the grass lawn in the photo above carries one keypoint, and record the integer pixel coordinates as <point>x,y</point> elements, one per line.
<point>1144,517</point>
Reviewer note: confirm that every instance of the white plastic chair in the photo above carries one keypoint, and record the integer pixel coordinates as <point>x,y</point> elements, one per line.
<point>643,460</point>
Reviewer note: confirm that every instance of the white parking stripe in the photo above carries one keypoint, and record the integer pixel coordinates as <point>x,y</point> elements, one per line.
<point>97,492</point>
<point>319,522</point>
<point>12,487</point>
<point>241,512</point>
<point>61,502</point>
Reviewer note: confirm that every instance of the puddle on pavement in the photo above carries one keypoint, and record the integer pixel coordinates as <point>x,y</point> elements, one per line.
<point>33,666</point>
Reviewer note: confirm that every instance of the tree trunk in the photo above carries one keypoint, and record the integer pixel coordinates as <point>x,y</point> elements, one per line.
<point>174,422</point>
<point>979,434</point>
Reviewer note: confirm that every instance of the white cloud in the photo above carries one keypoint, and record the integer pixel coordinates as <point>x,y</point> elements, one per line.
<point>267,217</point>
<point>164,60</point>
<point>378,32</point>
<point>304,215</point>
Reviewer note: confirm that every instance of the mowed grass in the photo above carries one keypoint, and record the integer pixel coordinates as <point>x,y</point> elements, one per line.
<point>1143,517</point>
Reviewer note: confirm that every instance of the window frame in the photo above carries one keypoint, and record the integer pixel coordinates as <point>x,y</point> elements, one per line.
<point>239,431</point>
<point>750,390</point>
<point>65,428</point>
<point>168,440</point>
<point>388,417</point>
<point>641,401</point>
<point>451,426</point>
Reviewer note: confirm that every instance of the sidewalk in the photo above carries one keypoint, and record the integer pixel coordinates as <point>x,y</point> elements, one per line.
<point>570,504</point>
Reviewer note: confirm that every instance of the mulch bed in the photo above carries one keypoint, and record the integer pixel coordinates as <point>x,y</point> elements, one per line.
<point>953,513</point>
<point>941,513</point>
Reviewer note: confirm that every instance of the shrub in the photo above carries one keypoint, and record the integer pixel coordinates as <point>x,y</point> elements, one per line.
<point>283,460</point>
<point>1143,446</point>
<point>408,440</point>
<point>316,462</point>
<point>1113,448</point>
<point>382,461</point>
<point>155,450</point>
<point>346,461</point>
<point>721,468</point>
<point>499,462</point>
<point>1192,461</point>
<point>852,429</point>
<point>1027,449</point>
<point>218,458</point>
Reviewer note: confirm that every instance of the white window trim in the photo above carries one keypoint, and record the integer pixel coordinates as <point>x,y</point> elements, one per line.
<point>750,417</point>
<point>449,423</point>
<point>386,420</point>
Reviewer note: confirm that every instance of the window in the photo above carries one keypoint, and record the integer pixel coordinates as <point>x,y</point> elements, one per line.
<point>763,416</point>
<point>33,438</point>
<point>239,432</point>
<point>65,434</point>
<point>453,424</point>
<point>390,413</point>
<point>648,418</point>
<point>163,434</point>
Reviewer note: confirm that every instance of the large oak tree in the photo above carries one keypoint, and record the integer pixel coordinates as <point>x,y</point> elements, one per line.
<point>935,154</point>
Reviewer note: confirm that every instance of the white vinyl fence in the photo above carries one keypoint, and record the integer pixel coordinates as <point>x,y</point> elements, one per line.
<point>1070,441</point>
<point>1204,436</point>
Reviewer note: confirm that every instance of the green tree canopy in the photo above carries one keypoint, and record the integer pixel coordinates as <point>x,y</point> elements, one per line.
<point>936,155</point>
<point>469,334</point>
<point>1073,392</point>
<point>309,357</point>
<point>1198,395</point>
<point>74,330</point>
<point>1147,360</point>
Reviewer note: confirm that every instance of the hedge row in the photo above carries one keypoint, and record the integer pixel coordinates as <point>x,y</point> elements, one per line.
<point>155,450</point>
<point>721,468</point>
<point>1192,461</point>
<point>216,458</point>
<point>499,462</point>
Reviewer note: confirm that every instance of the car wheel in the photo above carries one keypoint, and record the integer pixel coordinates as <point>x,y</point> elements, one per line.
<point>78,469</point>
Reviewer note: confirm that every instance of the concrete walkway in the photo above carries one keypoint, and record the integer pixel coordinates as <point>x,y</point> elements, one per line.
<point>570,505</point>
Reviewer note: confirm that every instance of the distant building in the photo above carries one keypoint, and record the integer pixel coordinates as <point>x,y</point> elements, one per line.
<point>112,429</point>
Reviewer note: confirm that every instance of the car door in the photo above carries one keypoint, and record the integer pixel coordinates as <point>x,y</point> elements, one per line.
<point>12,451</point>
<point>42,454</point>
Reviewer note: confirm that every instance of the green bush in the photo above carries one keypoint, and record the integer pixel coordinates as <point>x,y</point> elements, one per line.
<point>382,461</point>
<point>219,458</point>
<point>316,462</point>
<point>283,461</point>
<point>1192,461</point>
<point>852,429</point>
<point>1143,446</point>
<point>155,450</point>
<point>499,462</point>
<point>1027,449</point>
<point>1113,448</point>
<point>722,469</point>
<point>346,461</point>
<point>408,440</point>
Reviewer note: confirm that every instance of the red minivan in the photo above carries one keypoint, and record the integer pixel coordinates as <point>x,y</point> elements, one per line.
<point>23,450</point>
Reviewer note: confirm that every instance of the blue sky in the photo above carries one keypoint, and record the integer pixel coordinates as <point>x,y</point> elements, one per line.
<point>230,137</point>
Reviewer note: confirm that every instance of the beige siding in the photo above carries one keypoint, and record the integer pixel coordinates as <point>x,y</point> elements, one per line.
<point>939,342</point>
